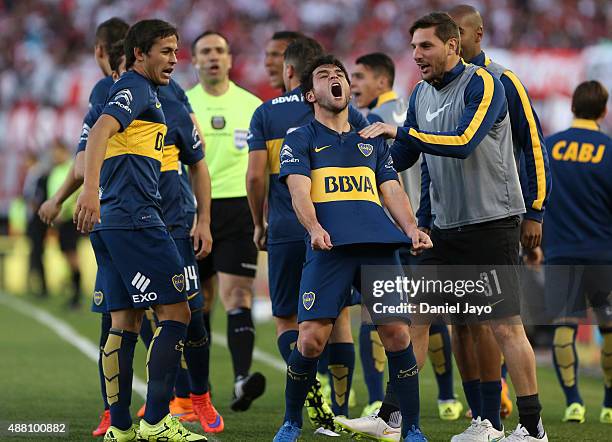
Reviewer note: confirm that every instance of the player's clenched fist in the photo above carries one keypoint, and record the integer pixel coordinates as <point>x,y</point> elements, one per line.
<point>420,241</point>
<point>379,129</point>
<point>87,211</point>
<point>320,239</point>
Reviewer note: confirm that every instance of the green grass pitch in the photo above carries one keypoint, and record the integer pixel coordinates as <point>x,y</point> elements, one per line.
<point>44,379</point>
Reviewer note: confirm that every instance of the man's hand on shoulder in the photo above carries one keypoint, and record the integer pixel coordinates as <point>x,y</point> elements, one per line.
<point>379,129</point>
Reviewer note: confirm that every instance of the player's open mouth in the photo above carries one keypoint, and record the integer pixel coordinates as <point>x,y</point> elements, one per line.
<point>424,67</point>
<point>168,71</point>
<point>336,90</point>
<point>213,69</point>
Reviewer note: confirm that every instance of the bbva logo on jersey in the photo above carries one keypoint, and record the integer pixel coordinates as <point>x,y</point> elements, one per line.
<point>366,149</point>
<point>350,183</point>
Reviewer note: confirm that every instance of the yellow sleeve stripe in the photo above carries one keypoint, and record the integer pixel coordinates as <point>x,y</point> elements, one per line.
<point>535,141</point>
<point>274,148</point>
<point>470,131</point>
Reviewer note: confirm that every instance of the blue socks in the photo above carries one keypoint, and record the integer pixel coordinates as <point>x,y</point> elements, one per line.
<point>473,397</point>
<point>322,368</point>
<point>404,378</point>
<point>301,372</point>
<point>162,364</point>
<point>117,360</point>
<point>565,360</point>
<point>373,360</point>
<point>491,402</point>
<point>286,343</point>
<point>341,368</point>
<point>197,356</point>
<point>440,355</point>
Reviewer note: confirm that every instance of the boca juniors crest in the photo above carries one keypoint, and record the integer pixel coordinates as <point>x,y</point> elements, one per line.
<point>366,149</point>
<point>178,281</point>
<point>308,300</point>
<point>98,297</point>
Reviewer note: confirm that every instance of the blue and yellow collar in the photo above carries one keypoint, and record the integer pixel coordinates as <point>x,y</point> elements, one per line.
<point>450,75</point>
<point>481,60</point>
<point>583,123</point>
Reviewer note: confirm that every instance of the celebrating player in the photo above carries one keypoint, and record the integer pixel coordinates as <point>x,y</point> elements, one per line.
<point>312,156</point>
<point>138,263</point>
<point>578,242</point>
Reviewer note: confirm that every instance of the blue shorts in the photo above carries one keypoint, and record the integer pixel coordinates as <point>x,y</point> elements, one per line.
<point>285,263</point>
<point>328,276</point>
<point>192,275</point>
<point>571,282</point>
<point>136,269</point>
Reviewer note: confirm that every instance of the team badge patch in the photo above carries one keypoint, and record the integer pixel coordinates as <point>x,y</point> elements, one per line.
<point>217,122</point>
<point>178,281</point>
<point>98,297</point>
<point>366,149</point>
<point>308,299</point>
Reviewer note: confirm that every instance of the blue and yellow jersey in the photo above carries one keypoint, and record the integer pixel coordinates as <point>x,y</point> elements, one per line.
<point>90,119</point>
<point>345,172</point>
<point>181,145</point>
<point>188,200</point>
<point>100,91</point>
<point>129,178</point>
<point>270,124</point>
<point>578,221</point>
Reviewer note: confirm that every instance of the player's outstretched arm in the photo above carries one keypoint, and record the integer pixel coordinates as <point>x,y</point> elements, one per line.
<point>200,184</point>
<point>256,194</point>
<point>299,187</point>
<point>87,211</point>
<point>399,207</point>
<point>50,209</point>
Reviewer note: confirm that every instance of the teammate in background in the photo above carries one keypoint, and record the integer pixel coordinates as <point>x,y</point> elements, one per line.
<point>282,235</point>
<point>108,34</point>
<point>224,110</point>
<point>529,150</point>
<point>310,158</point>
<point>578,238</point>
<point>68,236</point>
<point>479,226</point>
<point>372,87</point>
<point>120,205</point>
<point>274,57</point>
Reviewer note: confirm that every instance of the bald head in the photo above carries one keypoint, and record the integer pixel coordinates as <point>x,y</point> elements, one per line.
<point>470,25</point>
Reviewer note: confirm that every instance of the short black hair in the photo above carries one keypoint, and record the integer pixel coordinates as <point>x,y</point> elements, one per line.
<point>115,56</point>
<point>301,53</point>
<point>111,31</point>
<point>287,35</point>
<point>206,34</point>
<point>380,63</point>
<point>589,100</point>
<point>143,34</point>
<point>446,27</point>
<point>307,75</point>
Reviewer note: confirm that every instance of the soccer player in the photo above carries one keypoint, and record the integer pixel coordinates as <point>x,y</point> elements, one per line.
<point>372,88</point>
<point>108,34</point>
<point>274,57</point>
<point>578,239</point>
<point>314,158</point>
<point>530,150</point>
<point>283,236</point>
<point>460,111</point>
<point>138,263</point>
<point>224,109</point>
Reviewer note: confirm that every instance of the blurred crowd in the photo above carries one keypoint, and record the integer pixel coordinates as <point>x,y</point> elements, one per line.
<point>46,41</point>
